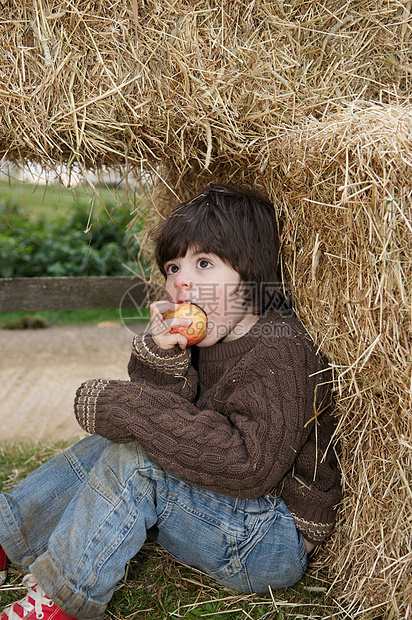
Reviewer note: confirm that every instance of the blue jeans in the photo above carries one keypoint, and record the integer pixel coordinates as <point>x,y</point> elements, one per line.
<point>76,521</point>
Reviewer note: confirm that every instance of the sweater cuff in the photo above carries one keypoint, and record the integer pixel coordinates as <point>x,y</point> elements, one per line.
<point>97,409</point>
<point>85,403</point>
<point>169,361</point>
<point>312,531</point>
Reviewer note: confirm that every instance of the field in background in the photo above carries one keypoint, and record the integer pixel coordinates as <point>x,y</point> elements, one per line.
<point>51,201</point>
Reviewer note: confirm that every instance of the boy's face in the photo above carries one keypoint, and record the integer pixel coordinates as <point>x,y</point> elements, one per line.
<point>208,281</point>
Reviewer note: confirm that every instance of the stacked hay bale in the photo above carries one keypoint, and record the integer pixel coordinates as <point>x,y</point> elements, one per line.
<point>349,254</point>
<point>308,100</point>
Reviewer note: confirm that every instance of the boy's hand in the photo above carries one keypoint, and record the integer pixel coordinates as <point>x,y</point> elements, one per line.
<point>160,327</point>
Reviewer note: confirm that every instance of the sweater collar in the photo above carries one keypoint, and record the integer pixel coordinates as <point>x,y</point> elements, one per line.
<point>225,350</point>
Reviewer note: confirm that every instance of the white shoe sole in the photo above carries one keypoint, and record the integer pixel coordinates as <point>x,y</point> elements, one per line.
<point>3,576</point>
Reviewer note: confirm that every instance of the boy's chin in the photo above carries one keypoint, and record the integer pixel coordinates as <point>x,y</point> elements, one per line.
<point>210,339</point>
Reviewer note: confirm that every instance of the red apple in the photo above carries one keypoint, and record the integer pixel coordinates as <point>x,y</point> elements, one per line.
<point>197,329</point>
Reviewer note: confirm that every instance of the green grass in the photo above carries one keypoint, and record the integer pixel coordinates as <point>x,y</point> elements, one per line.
<point>22,320</point>
<point>52,201</point>
<point>157,587</point>
<point>38,201</point>
<point>17,320</point>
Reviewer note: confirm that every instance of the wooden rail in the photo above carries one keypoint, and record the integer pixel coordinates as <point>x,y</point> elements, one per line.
<point>78,293</point>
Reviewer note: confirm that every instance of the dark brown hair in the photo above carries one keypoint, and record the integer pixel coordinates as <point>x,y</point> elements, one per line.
<point>238,226</point>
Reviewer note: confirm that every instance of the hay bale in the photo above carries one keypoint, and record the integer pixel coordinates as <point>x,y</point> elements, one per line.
<point>309,100</point>
<point>188,86</point>
<point>348,252</point>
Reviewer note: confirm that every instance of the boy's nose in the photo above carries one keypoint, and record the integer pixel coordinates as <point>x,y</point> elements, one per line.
<point>182,280</point>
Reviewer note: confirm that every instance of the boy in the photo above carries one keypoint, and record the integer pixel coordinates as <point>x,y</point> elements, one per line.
<point>221,452</point>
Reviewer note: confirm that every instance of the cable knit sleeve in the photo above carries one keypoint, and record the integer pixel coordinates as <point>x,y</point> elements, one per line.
<point>107,407</point>
<point>168,369</point>
<point>100,403</point>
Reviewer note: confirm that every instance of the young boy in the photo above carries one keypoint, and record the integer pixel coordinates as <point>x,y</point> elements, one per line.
<point>221,451</point>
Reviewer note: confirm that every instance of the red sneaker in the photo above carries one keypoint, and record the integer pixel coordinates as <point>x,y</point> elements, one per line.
<point>35,606</point>
<point>3,566</point>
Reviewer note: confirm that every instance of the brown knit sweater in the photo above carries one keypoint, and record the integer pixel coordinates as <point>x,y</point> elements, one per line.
<point>245,418</point>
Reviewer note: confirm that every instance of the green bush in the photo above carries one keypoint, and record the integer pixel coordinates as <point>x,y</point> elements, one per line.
<point>62,248</point>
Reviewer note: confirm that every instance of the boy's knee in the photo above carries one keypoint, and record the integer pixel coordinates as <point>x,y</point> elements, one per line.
<point>123,465</point>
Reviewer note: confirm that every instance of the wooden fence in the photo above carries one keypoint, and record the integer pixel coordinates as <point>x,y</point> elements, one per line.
<point>78,293</point>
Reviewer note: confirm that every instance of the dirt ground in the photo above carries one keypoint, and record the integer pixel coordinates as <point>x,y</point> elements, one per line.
<point>41,369</point>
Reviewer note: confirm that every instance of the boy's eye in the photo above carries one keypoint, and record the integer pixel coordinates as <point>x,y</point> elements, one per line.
<point>203,263</point>
<point>172,268</point>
